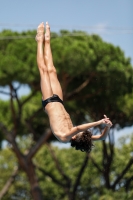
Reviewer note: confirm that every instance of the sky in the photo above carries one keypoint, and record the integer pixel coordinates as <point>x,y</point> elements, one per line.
<point>110,19</point>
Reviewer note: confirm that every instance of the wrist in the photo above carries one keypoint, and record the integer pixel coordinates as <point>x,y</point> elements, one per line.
<point>100,122</point>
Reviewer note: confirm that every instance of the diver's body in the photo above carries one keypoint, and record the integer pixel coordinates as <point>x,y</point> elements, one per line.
<point>52,96</point>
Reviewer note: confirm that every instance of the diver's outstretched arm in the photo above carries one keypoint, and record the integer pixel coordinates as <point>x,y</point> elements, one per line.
<point>84,127</point>
<point>105,131</point>
<point>101,136</point>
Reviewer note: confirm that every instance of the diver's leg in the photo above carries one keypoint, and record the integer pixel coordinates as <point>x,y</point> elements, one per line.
<point>45,80</point>
<point>55,85</point>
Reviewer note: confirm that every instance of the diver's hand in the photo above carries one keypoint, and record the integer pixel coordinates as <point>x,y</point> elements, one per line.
<point>106,121</point>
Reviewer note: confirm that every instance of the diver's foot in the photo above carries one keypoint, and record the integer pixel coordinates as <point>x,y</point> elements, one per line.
<point>40,32</point>
<point>47,33</point>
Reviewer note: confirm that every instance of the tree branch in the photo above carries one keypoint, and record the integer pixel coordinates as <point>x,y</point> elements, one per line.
<point>111,141</point>
<point>6,93</point>
<point>107,161</point>
<point>128,183</point>
<point>29,97</point>
<point>15,115</point>
<point>122,173</point>
<point>77,90</point>
<point>51,176</point>
<point>105,153</point>
<point>79,176</point>
<point>17,99</point>
<point>30,127</point>
<point>19,155</point>
<point>29,122</point>
<point>78,97</point>
<point>9,183</point>
<point>95,164</point>
<point>111,146</point>
<point>8,135</point>
<point>13,112</point>
<point>34,115</point>
<point>17,88</point>
<point>58,166</point>
<point>38,145</point>
<point>11,140</point>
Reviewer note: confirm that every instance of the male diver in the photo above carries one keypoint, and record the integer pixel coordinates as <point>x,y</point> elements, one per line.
<point>52,99</point>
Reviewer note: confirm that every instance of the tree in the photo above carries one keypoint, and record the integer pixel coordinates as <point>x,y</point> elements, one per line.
<point>91,71</point>
<point>69,174</point>
<point>13,181</point>
<point>83,176</point>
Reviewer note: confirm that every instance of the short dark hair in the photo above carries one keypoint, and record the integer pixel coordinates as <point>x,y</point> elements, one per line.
<point>83,141</point>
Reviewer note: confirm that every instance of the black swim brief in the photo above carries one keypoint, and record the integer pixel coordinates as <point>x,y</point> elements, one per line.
<point>54,98</point>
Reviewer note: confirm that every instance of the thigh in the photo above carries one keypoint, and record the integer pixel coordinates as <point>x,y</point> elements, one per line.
<point>55,84</point>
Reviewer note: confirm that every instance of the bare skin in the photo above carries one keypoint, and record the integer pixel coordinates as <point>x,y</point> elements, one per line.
<point>60,121</point>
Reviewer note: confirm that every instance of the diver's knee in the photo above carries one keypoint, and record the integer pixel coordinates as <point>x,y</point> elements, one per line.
<point>51,70</point>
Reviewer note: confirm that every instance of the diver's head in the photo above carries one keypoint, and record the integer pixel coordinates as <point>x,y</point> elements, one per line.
<point>82,141</point>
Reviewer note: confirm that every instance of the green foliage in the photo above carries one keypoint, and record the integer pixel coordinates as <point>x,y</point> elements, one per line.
<point>126,104</point>
<point>20,187</point>
<point>96,79</point>
<point>18,59</point>
<point>78,57</point>
<point>92,182</point>
<point>105,67</point>
<point>5,114</point>
<point>91,185</point>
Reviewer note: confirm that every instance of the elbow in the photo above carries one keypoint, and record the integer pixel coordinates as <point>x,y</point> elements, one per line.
<point>64,138</point>
<point>78,129</point>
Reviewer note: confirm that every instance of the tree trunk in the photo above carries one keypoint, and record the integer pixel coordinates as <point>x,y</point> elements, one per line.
<point>35,189</point>
<point>28,167</point>
<point>25,161</point>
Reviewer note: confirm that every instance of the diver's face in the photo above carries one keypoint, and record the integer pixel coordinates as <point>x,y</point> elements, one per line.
<point>77,135</point>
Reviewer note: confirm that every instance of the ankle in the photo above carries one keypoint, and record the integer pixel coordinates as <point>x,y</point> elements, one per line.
<point>39,39</point>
